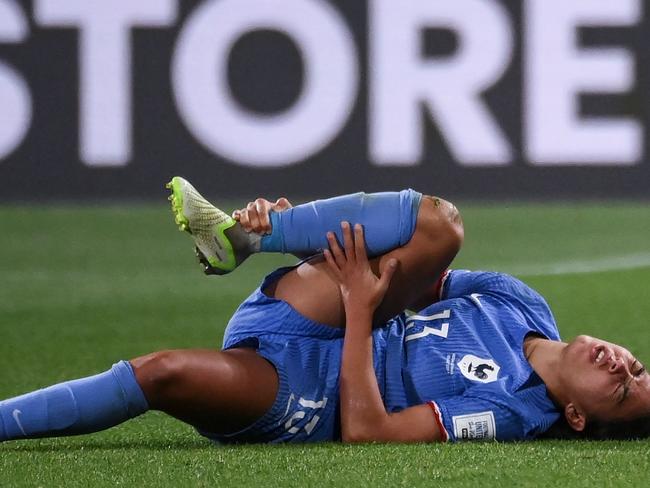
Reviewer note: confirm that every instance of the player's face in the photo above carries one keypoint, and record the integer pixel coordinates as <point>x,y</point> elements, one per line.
<point>605,380</point>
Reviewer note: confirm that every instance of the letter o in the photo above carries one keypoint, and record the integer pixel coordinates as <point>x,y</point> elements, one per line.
<point>204,100</point>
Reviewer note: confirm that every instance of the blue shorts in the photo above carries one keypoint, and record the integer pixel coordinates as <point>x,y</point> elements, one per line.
<point>307,358</point>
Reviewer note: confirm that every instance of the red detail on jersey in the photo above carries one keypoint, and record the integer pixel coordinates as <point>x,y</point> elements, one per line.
<point>437,289</point>
<point>438,416</point>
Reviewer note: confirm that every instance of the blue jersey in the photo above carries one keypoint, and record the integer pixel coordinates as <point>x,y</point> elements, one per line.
<point>463,355</point>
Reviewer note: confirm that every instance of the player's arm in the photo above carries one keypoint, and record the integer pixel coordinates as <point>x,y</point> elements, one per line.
<point>363,415</point>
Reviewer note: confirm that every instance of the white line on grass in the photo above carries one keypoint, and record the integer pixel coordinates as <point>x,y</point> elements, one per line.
<point>596,265</point>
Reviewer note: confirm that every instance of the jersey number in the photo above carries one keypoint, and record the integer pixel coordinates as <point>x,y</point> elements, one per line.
<point>440,329</point>
<point>301,414</point>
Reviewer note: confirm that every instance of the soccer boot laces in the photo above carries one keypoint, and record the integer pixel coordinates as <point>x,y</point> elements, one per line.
<point>220,242</point>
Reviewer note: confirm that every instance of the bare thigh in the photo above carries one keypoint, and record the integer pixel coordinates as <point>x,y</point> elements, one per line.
<point>436,241</point>
<point>215,391</point>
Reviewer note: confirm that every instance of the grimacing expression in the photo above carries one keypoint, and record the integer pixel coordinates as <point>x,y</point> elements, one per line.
<point>605,380</point>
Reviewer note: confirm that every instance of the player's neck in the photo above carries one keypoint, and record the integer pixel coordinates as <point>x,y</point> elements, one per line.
<point>544,357</point>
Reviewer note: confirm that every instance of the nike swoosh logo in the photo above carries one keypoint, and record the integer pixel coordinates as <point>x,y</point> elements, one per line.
<point>16,415</point>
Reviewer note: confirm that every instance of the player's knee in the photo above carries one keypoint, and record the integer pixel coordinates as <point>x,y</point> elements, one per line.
<point>439,219</point>
<point>157,373</point>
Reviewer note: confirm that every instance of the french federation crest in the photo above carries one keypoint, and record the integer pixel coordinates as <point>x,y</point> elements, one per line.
<point>478,369</point>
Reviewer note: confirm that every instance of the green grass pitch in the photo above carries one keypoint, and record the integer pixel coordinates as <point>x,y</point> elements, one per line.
<point>82,287</point>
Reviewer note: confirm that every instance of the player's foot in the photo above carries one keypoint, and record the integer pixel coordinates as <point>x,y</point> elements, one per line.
<point>221,243</point>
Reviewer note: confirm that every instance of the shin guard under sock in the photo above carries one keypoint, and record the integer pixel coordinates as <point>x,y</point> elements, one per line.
<point>388,219</point>
<point>74,407</point>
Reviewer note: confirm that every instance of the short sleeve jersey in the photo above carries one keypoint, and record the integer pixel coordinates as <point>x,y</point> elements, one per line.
<point>464,356</point>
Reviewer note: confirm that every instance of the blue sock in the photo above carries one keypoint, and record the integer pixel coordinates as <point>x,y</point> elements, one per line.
<point>388,220</point>
<point>74,407</point>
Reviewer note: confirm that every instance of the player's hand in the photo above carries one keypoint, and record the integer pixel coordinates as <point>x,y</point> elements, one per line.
<point>349,266</point>
<point>255,217</point>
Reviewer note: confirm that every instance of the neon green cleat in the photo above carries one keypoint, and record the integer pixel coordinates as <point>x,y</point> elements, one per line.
<point>221,243</point>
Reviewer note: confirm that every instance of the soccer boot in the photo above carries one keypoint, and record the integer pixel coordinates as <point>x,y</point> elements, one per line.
<point>221,244</point>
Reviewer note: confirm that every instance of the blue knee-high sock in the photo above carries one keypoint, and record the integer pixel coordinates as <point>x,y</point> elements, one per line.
<point>74,407</point>
<point>388,219</point>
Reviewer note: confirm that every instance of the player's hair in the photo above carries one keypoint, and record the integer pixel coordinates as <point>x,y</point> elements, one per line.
<point>599,430</point>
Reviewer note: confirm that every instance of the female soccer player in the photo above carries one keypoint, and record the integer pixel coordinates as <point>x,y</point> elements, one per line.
<point>324,351</point>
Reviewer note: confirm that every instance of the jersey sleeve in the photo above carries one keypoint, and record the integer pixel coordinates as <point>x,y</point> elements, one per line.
<point>460,282</point>
<point>488,414</point>
<point>532,307</point>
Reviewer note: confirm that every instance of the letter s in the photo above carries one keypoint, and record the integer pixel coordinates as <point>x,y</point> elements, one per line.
<point>15,98</point>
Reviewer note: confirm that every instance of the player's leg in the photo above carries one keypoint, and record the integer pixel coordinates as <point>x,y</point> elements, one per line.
<point>74,407</point>
<point>389,219</point>
<point>429,232</point>
<point>437,238</point>
<point>216,391</point>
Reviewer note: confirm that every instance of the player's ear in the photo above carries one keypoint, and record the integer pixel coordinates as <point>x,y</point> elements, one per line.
<point>575,417</point>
